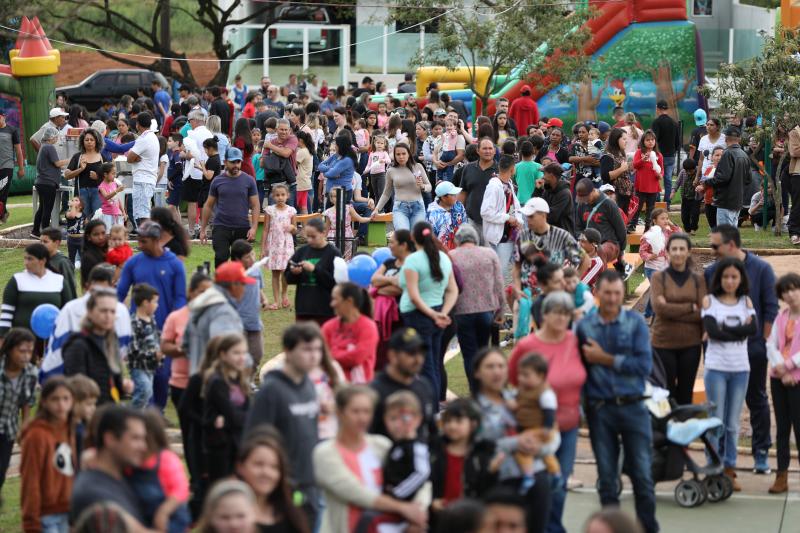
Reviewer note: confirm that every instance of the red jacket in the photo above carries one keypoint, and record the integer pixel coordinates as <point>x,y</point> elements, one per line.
<point>647,180</point>
<point>354,346</point>
<point>524,112</point>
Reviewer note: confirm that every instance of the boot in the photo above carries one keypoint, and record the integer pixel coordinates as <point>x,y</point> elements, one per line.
<point>731,473</point>
<point>781,484</point>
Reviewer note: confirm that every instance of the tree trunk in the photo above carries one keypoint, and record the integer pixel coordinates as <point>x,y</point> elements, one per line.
<point>586,106</point>
<point>665,89</point>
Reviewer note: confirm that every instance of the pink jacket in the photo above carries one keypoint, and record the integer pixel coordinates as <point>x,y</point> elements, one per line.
<point>777,342</point>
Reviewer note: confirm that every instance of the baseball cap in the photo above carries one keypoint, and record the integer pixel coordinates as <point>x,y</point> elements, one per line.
<point>406,340</point>
<point>232,272</point>
<point>444,188</point>
<point>591,235</point>
<point>662,104</point>
<point>555,123</point>
<point>233,154</point>
<point>526,89</point>
<point>150,229</point>
<point>439,112</point>
<point>58,112</point>
<point>700,117</point>
<point>535,205</point>
<point>732,131</point>
<point>603,126</point>
<point>607,187</point>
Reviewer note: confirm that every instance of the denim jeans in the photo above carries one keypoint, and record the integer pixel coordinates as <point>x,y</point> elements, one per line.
<point>727,216</point>
<point>432,335</point>
<point>726,390</point>
<point>474,332</point>
<point>669,169</point>
<point>558,494</point>
<point>91,200</point>
<point>55,523</point>
<point>608,425</point>
<point>406,214</point>
<point>142,388</point>
<point>505,252</point>
<point>446,174</point>
<point>648,310</point>
<point>362,209</point>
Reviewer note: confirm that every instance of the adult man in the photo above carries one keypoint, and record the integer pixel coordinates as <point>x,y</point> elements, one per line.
<point>263,114</point>
<point>220,108</point>
<point>446,213</point>
<point>58,119</point>
<point>264,85</point>
<point>106,110</point>
<point>596,211</point>
<point>794,184</point>
<point>194,105</point>
<point>120,444</point>
<point>193,136</point>
<point>728,181</point>
<point>272,102</point>
<point>292,86</point>
<point>474,179</point>
<point>500,213</point>
<point>615,344</point>
<point>283,145</point>
<point>214,313</point>
<point>233,192</point>
<point>408,85</point>
<point>668,137</point>
<point>502,107</point>
<point>329,104</point>
<point>726,242</point>
<point>10,148</point>
<point>405,355</point>
<point>524,111</point>
<point>556,193</point>
<point>367,86</point>
<point>162,101</point>
<point>144,156</point>
<point>287,401</point>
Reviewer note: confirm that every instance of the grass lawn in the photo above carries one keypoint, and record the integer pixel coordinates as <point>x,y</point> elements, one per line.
<point>750,237</point>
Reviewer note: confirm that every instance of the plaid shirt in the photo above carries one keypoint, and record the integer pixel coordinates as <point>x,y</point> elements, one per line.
<point>14,396</point>
<point>145,341</point>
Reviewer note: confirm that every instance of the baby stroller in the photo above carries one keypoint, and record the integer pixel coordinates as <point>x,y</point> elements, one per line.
<point>675,427</point>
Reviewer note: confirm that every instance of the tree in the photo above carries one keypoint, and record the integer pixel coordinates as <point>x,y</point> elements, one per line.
<point>501,35</point>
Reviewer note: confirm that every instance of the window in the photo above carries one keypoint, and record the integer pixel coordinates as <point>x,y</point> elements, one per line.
<point>703,8</point>
<point>130,79</point>
<point>104,80</point>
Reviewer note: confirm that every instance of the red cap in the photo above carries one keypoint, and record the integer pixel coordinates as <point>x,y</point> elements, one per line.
<point>555,122</point>
<point>232,272</point>
<point>526,89</point>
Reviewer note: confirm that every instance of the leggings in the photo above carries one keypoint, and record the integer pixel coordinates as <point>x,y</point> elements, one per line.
<point>786,401</point>
<point>47,198</point>
<point>680,367</point>
<point>649,200</point>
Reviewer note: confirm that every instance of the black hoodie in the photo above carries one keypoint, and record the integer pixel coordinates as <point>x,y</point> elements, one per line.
<point>562,210</point>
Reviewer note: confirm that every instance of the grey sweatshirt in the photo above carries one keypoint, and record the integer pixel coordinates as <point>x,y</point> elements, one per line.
<point>210,314</point>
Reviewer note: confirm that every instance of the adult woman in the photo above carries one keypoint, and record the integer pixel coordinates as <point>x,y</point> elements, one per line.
<point>352,335</point>
<point>429,294</point>
<point>311,269</point>
<point>123,129</point>
<point>48,178</point>
<point>338,169</point>
<point>230,507</point>
<point>566,375</point>
<point>344,124</point>
<point>712,139</point>
<point>94,350</point>
<point>405,182</point>
<point>214,125</point>
<point>634,134</point>
<point>478,304</point>
<point>263,465</point>
<point>579,156</point>
<point>677,296</point>
<point>553,149</point>
<point>499,425</point>
<point>614,167</point>
<point>434,102</point>
<point>27,290</point>
<point>502,129</point>
<point>347,468</point>
<point>243,140</point>
<point>173,234</point>
<point>85,165</point>
<point>76,118</point>
<point>386,290</point>
<point>95,246</point>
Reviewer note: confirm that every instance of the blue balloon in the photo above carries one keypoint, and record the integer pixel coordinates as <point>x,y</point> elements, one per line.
<point>381,255</point>
<point>43,320</point>
<point>360,269</point>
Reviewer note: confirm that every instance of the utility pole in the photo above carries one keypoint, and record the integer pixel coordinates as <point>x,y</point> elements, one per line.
<point>165,37</point>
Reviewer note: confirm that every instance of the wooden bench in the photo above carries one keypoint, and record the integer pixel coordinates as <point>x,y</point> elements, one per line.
<point>301,219</point>
<point>662,205</point>
<point>699,392</point>
<point>376,233</point>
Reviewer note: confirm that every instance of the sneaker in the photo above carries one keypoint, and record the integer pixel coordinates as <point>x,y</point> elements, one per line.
<point>761,466</point>
<point>628,271</point>
<point>795,239</point>
<point>574,483</point>
<point>35,236</point>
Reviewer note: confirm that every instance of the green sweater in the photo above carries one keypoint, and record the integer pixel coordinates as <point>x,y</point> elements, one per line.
<point>60,264</point>
<point>24,293</point>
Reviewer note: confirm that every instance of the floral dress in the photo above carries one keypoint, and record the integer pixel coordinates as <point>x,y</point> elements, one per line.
<point>281,242</point>
<point>330,216</point>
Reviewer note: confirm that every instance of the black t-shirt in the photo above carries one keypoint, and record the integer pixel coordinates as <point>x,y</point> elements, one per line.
<point>212,163</point>
<point>84,179</point>
<point>667,134</point>
<point>262,117</point>
<point>694,140</point>
<point>93,486</point>
<point>474,180</point>
<point>385,386</point>
<point>176,247</point>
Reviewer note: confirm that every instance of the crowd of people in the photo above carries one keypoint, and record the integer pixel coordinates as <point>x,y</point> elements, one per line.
<point>512,216</point>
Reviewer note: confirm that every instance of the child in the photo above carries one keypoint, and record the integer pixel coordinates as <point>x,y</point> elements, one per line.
<point>109,189</point>
<point>361,133</point>
<point>85,393</point>
<point>305,166</point>
<point>270,125</point>
<point>350,214</point>
<point>160,482</point>
<point>407,465</point>
<point>430,144</point>
<point>379,161</point>
<point>526,172</point>
<point>756,210</point>
<point>383,115</point>
<point>145,351</point>
<point>58,263</point>
<point>535,410</point>
<point>259,172</point>
<point>653,246</point>
<point>119,251</point>
<point>690,199</point>
<point>595,149</point>
<point>707,190</point>
<point>253,301</point>
<point>446,150</point>
<point>649,165</point>
<point>47,466</point>
<point>76,221</point>
<point>462,465</point>
<point>590,243</point>
<point>16,368</point>
<point>162,179</point>
<point>175,172</point>
<point>580,291</point>
<point>225,394</point>
<point>277,240</point>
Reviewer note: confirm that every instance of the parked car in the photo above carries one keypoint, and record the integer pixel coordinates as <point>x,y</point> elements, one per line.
<point>290,40</point>
<point>112,83</point>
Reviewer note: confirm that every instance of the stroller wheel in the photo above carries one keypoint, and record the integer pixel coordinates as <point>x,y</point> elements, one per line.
<point>718,487</point>
<point>690,493</point>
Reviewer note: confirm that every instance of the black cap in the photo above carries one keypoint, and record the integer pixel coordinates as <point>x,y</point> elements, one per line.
<point>406,340</point>
<point>592,235</point>
<point>662,104</point>
<point>732,131</point>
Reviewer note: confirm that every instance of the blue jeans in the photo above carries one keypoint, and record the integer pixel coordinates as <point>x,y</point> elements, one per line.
<point>669,169</point>
<point>446,174</point>
<point>727,216</point>
<point>474,331</point>
<point>648,311</point>
<point>558,492</point>
<point>362,209</point>
<point>432,335</point>
<point>55,523</point>
<point>142,388</point>
<point>608,424</point>
<point>405,215</point>
<point>726,390</point>
<point>505,252</point>
<point>91,200</point>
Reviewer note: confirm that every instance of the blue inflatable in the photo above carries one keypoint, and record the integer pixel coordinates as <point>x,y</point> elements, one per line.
<point>361,268</point>
<point>381,255</point>
<point>43,320</point>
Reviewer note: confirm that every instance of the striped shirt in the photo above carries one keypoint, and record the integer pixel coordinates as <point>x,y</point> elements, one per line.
<point>25,292</point>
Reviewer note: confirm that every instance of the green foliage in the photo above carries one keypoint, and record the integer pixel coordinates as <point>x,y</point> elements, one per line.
<point>668,45</point>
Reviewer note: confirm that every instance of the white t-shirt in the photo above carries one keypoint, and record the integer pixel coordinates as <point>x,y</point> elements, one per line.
<point>198,135</point>
<point>146,169</point>
<point>728,356</point>
<point>706,144</point>
<point>164,177</point>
